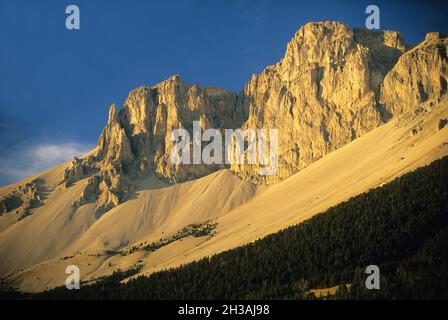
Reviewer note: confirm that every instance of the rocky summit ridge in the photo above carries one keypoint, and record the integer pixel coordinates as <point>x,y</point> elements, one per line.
<point>334,84</point>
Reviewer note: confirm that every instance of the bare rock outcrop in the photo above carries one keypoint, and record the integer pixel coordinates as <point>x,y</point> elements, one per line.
<point>321,95</point>
<point>77,170</point>
<point>136,141</point>
<point>420,74</point>
<point>20,200</point>
<point>334,84</point>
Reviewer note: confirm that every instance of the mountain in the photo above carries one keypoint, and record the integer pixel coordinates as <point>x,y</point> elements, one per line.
<point>353,108</point>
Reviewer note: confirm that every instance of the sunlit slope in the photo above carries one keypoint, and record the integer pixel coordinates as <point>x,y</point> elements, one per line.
<point>55,229</point>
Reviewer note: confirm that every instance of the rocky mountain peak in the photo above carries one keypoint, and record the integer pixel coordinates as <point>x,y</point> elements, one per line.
<point>322,94</point>
<point>334,84</point>
<point>113,114</point>
<point>434,36</point>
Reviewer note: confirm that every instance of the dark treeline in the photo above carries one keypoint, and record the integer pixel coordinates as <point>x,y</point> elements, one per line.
<point>402,227</point>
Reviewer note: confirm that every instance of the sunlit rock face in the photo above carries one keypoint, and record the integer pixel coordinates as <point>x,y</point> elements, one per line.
<point>334,84</point>
<point>420,74</point>
<point>136,141</point>
<point>322,94</point>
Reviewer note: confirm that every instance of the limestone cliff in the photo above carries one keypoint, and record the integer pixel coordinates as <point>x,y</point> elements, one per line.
<point>136,141</point>
<point>419,75</point>
<point>334,84</point>
<point>322,94</point>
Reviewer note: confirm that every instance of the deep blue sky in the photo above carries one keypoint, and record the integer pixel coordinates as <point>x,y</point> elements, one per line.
<point>56,84</point>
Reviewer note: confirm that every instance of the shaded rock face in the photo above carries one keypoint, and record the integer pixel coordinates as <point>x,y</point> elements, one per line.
<point>334,84</point>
